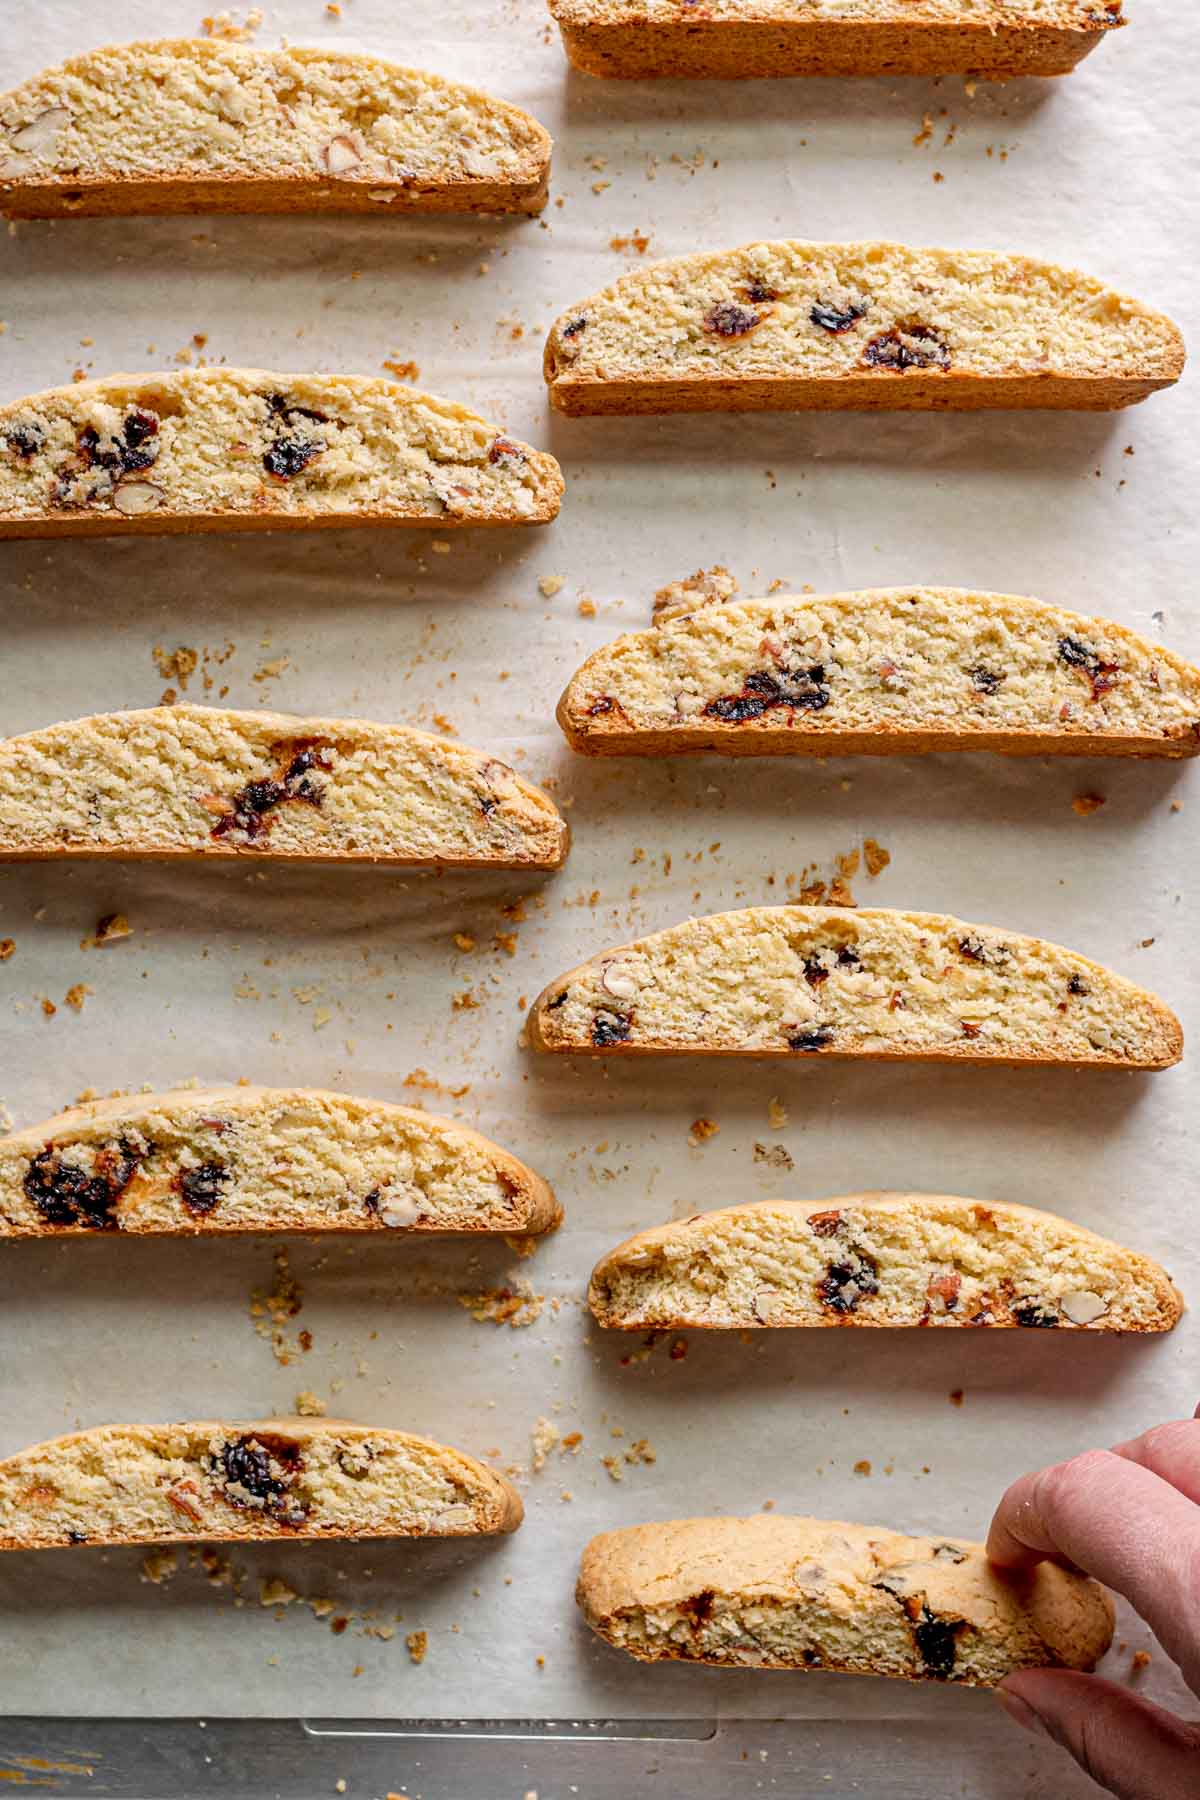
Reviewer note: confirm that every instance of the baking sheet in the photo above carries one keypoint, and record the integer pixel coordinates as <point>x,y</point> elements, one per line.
<point>347,977</point>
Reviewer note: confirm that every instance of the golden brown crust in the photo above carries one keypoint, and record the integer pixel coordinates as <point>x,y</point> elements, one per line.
<point>116,196</point>
<point>815,1573</point>
<point>546,1033</point>
<point>498,1501</point>
<point>740,48</point>
<point>536,1209</point>
<point>545,837</point>
<point>604,728</point>
<point>643,1252</point>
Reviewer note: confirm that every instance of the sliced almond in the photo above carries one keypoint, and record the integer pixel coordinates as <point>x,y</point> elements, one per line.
<point>41,134</point>
<point>400,1210</point>
<point>133,497</point>
<point>619,982</point>
<point>340,155</point>
<point>1084,1307</point>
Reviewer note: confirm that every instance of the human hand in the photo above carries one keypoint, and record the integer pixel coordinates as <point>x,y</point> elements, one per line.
<point>1130,1516</point>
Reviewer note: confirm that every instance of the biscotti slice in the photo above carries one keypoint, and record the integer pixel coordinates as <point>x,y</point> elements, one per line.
<point>734,39</point>
<point>262,1478</point>
<point>878,1259</point>
<point>883,671</point>
<point>795,326</point>
<point>242,449</point>
<point>201,126</point>
<point>206,781</point>
<point>218,1160</point>
<point>772,1592</point>
<point>836,981</point>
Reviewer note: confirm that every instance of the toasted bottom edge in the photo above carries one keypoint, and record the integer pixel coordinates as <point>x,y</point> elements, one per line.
<point>964,1055</point>
<point>336,1534</point>
<point>613,1322</point>
<point>768,1665</point>
<point>224,851</point>
<point>737,49</point>
<point>123,197</point>
<point>114,524</point>
<point>774,741</point>
<point>911,392</point>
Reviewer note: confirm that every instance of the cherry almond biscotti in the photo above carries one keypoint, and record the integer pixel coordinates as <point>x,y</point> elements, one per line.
<point>772,1592</point>
<point>197,126</point>
<point>220,449</point>
<point>734,39</point>
<point>791,326</point>
<point>217,1481</point>
<point>207,781</point>
<point>836,981</point>
<point>218,1160</point>
<point>884,671</point>
<point>878,1260</point>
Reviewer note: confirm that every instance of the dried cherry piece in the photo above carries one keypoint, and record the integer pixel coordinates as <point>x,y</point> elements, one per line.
<point>598,708</point>
<point>819,1038</point>
<point>200,1189</point>
<point>1034,1314</point>
<point>573,328</point>
<point>26,440</point>
<point>802,688</point>
<point>815,971</point>
<point>558,1000</point>
<point>838,320</point>
<point>252,803</point>
<point>610,1028</point>
<point>1077,985</point>
<point>289,456</point>
<point>850,1280</point>
<point>937,1642</point>
<point>503,449</point>
<point>848,958</point>
<point>729,320</point>
<point>66,1195</point>
<point>986,680</point>
<point>758,292</point>
<point>246,1462</point>
<point>907,346</point>
<point>699,1606</point>
<point>825,1224</point>
<point>1102,675</point>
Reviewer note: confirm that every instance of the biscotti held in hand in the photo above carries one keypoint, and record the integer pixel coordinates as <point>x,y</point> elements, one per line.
<point>812,981</point>
<point>207,781</point>
<point>879,1260</point>
<point>199,126</point>
<point>733,39</point>
<point>217,1160</point>
<point>772,1592</point>
<point>210,1480</point>
<point>220,449</point>
<point>887,670</point>
<point>797,326</point>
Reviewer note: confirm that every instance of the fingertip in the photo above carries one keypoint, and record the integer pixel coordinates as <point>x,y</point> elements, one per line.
<point>1019,1709</point>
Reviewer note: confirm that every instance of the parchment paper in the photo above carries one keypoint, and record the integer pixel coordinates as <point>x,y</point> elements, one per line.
<point>347,978</point>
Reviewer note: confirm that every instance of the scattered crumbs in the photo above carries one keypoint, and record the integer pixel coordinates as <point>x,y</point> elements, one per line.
<point>270,1311</point>
<point>48,1006</point>
<point>176,665</point>
<point>1084,804</point>
<point>706,587</point>
<point>422,1079</point>
<point>641,1451</point>
<point>549,585</point>
<point>271,671</point>
<point>875,857</point>
<point>523,1246</point>
<point>467,1001</point>
<point>506,941</point>
<point>598,187</point>
<point>159,1566</point>
<point>587,609</point>
<point>339,1786</point>
<point>956,1397</point>
<point>464,942</point>
<point>637,240</point>
<point>848,862</point>
<point>1176,807</point>
<point>403,371</point>
<point>512,1306</point>
<point>702,1130</point>
<point>774,1156</point>
<point>225,25</point>
<point>938,176</point>
<point>543,1437</point>
<point>615,1467</point>
<point>417,1644</point>
<point>75,996</point>
<point>572,1443</point>
<point>768,1506</point>
<point>678,1350</point>
<point>1145,943</point>
<point>109,930</point>
<point>310,1405</point>
<point>1138,1661</point>
<point>444,724</point>
<point>926,132</point>
<point>7,946</point>
<point>863,1467</point>
<point>274,1592</point>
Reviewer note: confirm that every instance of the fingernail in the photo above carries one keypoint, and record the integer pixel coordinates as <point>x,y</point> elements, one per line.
<point>1022,1712</point>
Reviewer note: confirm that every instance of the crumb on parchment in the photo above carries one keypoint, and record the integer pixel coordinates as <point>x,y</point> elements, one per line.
<point>513,1306</point>
<point>701,1131</point>
<point>417,1645</point>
